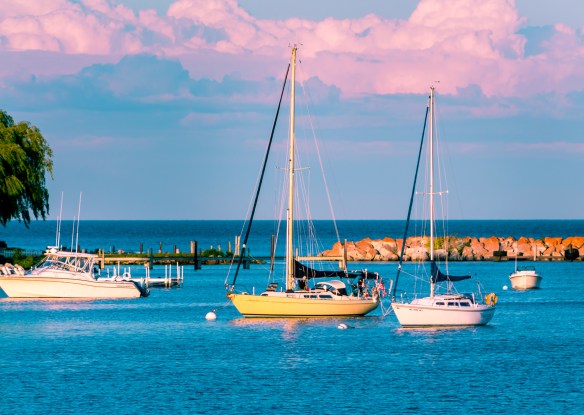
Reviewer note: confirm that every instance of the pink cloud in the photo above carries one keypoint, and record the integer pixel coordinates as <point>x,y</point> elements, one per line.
<point>459,42</point>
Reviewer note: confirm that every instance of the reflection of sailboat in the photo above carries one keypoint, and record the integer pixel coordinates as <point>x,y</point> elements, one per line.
<point>333,295</point>
<point>450,308</point>
<point>525,277</point>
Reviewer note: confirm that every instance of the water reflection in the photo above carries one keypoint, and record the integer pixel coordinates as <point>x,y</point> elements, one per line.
<point>403,330</point>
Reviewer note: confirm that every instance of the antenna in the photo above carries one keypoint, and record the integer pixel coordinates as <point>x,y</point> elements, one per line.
<point>58,241</point>
<point>78,217</point>
<point>72,234</point>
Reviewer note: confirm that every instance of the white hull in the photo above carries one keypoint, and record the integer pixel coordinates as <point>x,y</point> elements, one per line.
<point>425,313</point>
<point>525,280</point>
<point>31,286</point>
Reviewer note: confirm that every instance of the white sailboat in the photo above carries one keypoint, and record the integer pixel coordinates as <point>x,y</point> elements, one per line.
<point>525,277</point>
<point>439,309</point>
<point>307,292</point>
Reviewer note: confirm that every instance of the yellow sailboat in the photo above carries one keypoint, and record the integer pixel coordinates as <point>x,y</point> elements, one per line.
<point>308,292</point>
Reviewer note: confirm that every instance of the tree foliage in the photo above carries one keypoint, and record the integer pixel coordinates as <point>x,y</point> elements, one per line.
<point>25,157</point>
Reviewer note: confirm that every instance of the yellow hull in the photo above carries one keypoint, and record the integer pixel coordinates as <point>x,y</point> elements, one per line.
<point>293,306</point>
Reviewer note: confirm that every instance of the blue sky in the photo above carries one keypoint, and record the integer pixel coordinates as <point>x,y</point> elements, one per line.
<point>161,109</point>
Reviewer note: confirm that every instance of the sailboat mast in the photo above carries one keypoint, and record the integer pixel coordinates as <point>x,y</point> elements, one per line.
<point>290,213</point>
<point>431,144</point>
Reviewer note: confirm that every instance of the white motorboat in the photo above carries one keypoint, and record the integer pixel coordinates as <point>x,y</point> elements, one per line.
<point>64,274</point>
<point>525,278</point>
<point>450,308</point>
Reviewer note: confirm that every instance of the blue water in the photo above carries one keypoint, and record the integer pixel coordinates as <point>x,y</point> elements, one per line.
<point>160,355</point>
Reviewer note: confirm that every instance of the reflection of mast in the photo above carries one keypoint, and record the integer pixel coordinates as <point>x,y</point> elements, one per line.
<point>290,213</point>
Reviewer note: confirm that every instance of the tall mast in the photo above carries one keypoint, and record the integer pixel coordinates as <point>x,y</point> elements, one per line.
<point>431,143</point>
<point>290,213</point>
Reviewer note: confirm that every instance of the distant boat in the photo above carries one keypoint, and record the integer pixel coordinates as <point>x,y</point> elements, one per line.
<point>525,277</point>
<point>64,274</point>
<point>307,292</point>
<point>438,309</point>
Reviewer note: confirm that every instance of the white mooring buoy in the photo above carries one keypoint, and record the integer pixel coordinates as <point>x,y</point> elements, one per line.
<point>342,326</point>
<point>505,287</point>
<point>211,315</point>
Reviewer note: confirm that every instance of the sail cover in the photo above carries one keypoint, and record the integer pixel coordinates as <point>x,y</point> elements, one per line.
<point>302,271</point>
<point>438,276</point>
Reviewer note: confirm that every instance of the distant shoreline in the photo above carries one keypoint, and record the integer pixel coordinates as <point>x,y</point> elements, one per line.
<point>463,249</point>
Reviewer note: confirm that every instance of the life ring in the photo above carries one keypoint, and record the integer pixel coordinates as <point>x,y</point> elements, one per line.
<point>491,299</point>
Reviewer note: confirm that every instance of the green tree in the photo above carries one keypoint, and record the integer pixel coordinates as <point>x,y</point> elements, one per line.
<point>25,156</point>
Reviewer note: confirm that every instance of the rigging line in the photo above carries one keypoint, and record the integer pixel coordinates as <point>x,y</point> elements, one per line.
<point>242,255</point>
<point>411,202</point>
<point>281,210</point>
<point>443,161</point>
<point>321,164</point>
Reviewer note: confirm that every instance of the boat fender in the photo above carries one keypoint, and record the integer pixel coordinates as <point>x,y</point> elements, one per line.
<point>491,299</point>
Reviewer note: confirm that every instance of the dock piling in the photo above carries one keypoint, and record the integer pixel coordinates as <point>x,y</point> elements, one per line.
<point>196,260</point>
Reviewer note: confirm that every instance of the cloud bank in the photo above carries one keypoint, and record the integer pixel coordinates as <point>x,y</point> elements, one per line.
<point>458,42</point>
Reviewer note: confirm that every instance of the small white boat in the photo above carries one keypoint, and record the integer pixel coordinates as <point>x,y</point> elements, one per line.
<point>439,309</point>
<point>525,278</point>
<point>67,275</point>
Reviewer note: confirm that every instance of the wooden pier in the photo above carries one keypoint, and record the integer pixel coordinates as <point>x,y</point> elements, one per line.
<point>169,280</point>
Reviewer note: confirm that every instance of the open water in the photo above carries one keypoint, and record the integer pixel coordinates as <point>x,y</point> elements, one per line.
<point>160,355</point>
<point>128,235</point>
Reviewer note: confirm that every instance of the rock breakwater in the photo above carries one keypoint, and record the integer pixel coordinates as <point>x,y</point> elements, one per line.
<point>463,249</point>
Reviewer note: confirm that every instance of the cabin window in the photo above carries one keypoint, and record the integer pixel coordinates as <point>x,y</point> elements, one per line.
<point>325,296</point>
<point>452,304</point>
<point>465,304</point>
<point>439,302</point>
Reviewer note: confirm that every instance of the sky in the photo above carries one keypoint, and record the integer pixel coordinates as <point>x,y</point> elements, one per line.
<point>160,109</point>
